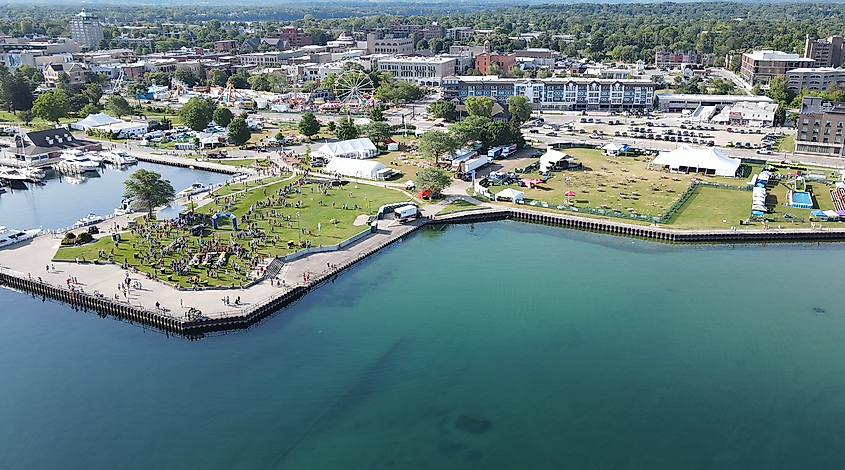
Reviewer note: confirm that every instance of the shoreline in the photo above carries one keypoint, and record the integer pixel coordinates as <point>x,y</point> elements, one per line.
<point>279,300</point>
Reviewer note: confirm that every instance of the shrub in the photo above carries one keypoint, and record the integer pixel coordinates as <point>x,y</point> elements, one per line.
<point>83,238</point>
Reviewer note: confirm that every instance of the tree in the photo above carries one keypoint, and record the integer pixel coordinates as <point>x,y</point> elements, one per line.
<point>347,130</point>
<point>376,115</point>
<point>470,129</point>
<point>222,116</point>
<point>218,77</point>
<point>519,108</point>
<point>308,125</point>
<point>16,93</point>
<point>118,106</point>
<point>52,106</point>
<point>185,75</point>
<point>238,131</point>
<point>433,180</point>
<point>26,116</point>
<point>377,131</point>
<point>494,69</point>
<point>331,126</point>
<point>435,143</point>
<point>135,90</point>
<point>777,90</point>
<point>442,110</point>
<point>261,82</point>
<point>197,112</point>
<point>240,80</point>
<point>89,109</point>
<point>328,82</point>
<point>149,190</point>
<point>479,106</point>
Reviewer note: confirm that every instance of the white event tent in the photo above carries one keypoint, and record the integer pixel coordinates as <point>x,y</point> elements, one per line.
<point>354,148</point>
<point>352,167</point>
<point>686,159</point>
<point>94,120</point>
<point>554,160</point>
<point>510,193</point>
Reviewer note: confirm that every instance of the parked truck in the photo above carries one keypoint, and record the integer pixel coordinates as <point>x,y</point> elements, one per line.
<point>474,164</point>
<point>406,213</point>
<point>496,152</point>
<point>509,150</point>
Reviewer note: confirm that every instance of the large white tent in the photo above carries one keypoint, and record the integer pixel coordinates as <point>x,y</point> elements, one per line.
<point>356,168</point>
<point>354,148</point>
<point>686,159</point>
<point>554,160</point>
<point>511,194</point>
<point>94,120</point>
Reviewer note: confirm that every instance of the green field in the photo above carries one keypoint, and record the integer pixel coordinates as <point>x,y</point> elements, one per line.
<point>311,213</point>
<point>456,205</point>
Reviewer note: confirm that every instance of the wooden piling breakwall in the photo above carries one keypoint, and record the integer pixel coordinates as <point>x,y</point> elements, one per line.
<point>642,231</point>
<point>194,164</point>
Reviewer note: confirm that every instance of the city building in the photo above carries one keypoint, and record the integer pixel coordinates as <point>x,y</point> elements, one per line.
<point>434,31</point>
<point>669,59</point>
<point>288,38</point>
<point>487,58</point>
<point>424,71</point>
<point>226,46</point>
<point>676,103</point>
<point>762,66</point>
<point>815,79</point>
<point>820,126</point>
<point>752,114</point>
<point>567,94</point>
<point>390,45</point>
<point>828,52</point>
<point>460,33</point>
<point>86,29</point>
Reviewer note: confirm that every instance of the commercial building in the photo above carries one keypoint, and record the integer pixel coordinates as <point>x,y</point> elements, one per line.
<point>820,126</point>
<point>762,66</point>
<point>226,46</point>
<point>74,72</point>
<point>460,33</point>
<point>815,79</point>
<point>758,114</point>
<point>484,60</point>
<point>828,52</point>
<point>288,38</point>
<point>567,94</point>
<point>676,103</point>
<point>390,45</point>
<point>86,29</point>
<point>424,71</point>
<point>678,58</point>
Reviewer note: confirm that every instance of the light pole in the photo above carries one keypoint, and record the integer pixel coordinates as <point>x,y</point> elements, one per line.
<point>298,228</point>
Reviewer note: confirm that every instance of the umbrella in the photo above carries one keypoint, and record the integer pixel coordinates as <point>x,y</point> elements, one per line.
<point>570,193</point>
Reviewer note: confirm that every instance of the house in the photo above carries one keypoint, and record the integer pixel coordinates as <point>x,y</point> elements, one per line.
<point>250,45</point>
<point>498,113</point>
<point>76,73</point>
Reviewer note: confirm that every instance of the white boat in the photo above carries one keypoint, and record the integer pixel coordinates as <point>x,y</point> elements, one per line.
<point>33,174</point>
<point>11,236</point>
<point>12,174</point>
<point>118,157</point>
<point>89,219</point>
<point>78,161</point>
<point>125,206</point>
<point>95,157</point>
<point>193,189</point>
<point>128,159</point>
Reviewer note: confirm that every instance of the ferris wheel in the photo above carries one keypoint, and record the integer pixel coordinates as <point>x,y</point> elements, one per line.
<point>353,89</point>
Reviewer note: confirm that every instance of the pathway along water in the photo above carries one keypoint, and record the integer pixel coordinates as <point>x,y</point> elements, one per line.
<point>64,199</point>
<point>582,350</point>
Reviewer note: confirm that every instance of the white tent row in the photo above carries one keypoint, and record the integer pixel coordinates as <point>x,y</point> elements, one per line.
<point>355,168</point>
<point>354,148</point>
<point>689,159</point>
<point>94,120</point>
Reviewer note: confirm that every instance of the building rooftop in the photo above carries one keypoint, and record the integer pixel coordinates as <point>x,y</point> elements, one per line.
<point>816,69</point>
<point>774,55</point>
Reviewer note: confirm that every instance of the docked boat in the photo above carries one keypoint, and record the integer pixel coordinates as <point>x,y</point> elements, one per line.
<point>128,159</point>
<point>10,236</point>
<point>89,219</point>
<point>193,189</point>
<point>12,174</point>
<point>118,157</point>
<point>78,161</point>
<point>33,174</point>
<point>125,206</point>
<point>95,157</point>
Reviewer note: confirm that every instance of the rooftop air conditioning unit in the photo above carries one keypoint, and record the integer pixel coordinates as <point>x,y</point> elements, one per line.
<point>69,138</point>
<point>59,140</point>
<point>50,141</point>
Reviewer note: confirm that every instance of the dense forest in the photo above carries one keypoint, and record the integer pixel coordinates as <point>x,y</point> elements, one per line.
<point>619,32</point>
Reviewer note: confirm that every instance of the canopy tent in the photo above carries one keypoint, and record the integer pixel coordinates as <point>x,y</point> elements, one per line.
<point>613,150</point>
<point>354,148</point>
<point>511,194</point>
<point>685,159</point>
<point>554,160</point>
<point>356,168</point>
<point>94,120</point>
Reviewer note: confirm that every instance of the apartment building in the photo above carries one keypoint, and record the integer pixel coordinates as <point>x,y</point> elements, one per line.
<point>85,29</point>
<point>389,45</point>
<point>820,127</point>
<point>671,59</point>
<point>828,52</point>
<point>814,79</point>
<point>424,71</point>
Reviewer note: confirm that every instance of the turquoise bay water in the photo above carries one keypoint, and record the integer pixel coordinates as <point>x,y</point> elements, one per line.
<point>582,350</point>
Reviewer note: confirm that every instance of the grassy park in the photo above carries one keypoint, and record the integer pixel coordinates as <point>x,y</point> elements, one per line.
<point>322,216</point>
<point>626,185</point>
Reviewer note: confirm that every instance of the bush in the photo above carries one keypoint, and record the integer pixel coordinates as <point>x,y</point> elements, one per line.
<point>84,238</point>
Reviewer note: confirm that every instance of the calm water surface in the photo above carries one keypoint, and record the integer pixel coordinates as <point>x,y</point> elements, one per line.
<point>583,351</point>
<point>64,199</point>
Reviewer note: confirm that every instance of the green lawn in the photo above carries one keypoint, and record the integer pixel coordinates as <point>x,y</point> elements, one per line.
<point>310,211</point>
<point>709,206</point>
<point>785,144</point>
<point>456,205</point>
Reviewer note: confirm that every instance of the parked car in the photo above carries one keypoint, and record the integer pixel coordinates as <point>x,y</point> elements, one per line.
<point>764,151</point>
<point>533,131</point>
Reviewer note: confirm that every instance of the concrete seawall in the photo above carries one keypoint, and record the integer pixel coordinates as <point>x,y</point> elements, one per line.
<point>195,328</point>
